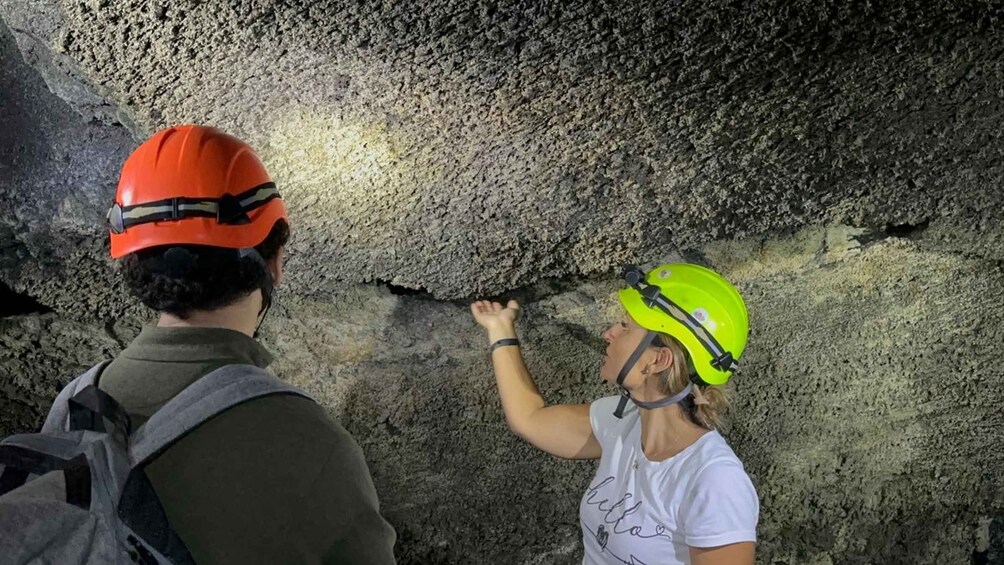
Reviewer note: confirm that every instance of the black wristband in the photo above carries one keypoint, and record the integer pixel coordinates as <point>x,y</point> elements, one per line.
<point>504,342</point>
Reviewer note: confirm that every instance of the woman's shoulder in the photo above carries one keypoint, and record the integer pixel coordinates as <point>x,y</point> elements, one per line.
<point>608,404</point>
<point>713,455</point>
<point>605,424</point>
<point>602,411</point>
<point>720,505</point>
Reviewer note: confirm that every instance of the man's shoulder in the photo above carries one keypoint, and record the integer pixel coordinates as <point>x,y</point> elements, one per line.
<point>287,428</point>
<point>286,414</point>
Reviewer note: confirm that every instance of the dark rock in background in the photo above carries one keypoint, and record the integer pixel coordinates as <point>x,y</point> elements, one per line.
<point>435,151</point>
<point>59,174</point>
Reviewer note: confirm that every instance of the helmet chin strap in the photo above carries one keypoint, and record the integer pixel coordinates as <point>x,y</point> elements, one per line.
<point>665,401</point>
<point>626,394</point>
<point>266,303</point>
<point>267,287</point>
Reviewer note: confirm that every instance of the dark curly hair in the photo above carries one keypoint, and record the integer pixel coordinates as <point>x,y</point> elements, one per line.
<point>180,279</point>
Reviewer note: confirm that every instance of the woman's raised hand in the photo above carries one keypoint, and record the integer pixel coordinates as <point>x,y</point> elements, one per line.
<point>491,315</point>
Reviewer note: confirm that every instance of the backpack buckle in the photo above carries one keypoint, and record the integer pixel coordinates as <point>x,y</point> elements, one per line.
<point>90,407</point>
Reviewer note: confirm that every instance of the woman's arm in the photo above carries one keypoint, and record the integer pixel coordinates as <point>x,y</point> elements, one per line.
<point>732,554</point>
<point>563,429</point>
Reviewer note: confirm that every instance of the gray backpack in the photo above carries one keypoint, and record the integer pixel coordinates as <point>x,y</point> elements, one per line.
<point>76,493</point>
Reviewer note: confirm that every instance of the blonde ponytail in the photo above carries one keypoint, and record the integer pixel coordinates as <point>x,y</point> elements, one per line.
<point>708,403</point>
<point>710,413</point>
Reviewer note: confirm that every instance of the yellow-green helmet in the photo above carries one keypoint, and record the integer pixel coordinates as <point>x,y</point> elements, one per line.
<point>698,307</point>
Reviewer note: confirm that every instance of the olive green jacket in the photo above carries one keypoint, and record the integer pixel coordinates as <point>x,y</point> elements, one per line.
<point>274,480</point>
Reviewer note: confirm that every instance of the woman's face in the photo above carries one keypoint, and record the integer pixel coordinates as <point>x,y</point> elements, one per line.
<point>622,339</point>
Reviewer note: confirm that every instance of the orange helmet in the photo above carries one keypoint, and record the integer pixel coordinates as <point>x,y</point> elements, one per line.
<point>193,185</point>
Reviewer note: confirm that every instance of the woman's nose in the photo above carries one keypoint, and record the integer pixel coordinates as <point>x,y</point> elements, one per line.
<point>608,335</point>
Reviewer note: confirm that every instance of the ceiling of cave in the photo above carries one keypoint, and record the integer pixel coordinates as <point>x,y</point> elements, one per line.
<point>472,148</point>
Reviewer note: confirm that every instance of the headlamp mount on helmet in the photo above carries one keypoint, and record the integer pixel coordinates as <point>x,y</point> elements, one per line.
<point>231,212</point>
<point>116,223</point>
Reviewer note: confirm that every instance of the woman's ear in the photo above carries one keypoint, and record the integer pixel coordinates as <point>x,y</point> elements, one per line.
<point>663,360</point>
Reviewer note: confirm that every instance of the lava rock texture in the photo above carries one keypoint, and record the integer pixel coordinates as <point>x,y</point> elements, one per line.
<point>840,162</point>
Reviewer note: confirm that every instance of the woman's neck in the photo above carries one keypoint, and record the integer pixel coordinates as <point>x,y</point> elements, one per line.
<point>667,431</point>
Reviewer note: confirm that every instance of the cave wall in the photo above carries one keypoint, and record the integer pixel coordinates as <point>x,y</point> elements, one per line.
<point>840,163</point>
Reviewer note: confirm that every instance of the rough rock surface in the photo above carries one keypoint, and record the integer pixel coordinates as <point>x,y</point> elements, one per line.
<point>59,174</point>
<point>478,148</point>
<point>866,413</point>
<point>474,147</point>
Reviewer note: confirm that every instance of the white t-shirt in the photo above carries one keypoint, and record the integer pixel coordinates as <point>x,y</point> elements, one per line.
<point>638,511</point>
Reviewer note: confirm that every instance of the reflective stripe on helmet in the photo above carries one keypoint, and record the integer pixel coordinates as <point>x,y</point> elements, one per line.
<point>121,218</point>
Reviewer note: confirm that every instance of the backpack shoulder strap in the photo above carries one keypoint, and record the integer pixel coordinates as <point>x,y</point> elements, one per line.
<point>209,396</point>
<point>58,419</point>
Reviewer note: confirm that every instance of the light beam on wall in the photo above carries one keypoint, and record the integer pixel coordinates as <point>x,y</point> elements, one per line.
<point>324,160</point>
